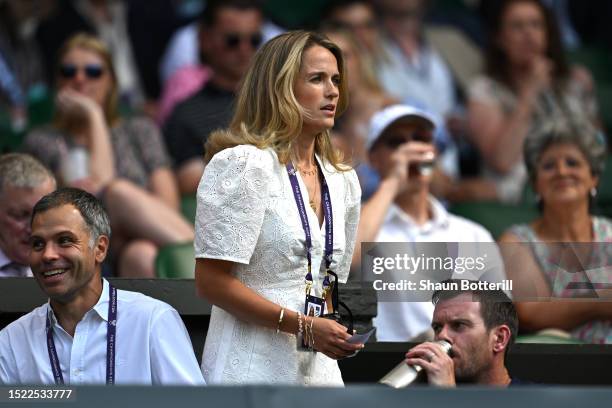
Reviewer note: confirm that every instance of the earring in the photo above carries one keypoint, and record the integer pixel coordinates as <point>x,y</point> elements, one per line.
<point>593,192</point>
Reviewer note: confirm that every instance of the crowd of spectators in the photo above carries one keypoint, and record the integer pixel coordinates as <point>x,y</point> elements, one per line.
<point>137,87</point>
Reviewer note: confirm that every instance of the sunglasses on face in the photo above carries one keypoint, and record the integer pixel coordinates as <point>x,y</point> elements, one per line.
<point>92,71</point>
<point>344,25</point>
<point>395,141</point>
<point>233,40</point>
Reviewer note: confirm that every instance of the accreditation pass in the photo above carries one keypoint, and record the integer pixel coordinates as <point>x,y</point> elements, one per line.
<point>14,394</point>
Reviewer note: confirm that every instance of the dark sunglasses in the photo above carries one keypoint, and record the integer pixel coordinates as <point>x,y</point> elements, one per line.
<point>394,141</point>
<point>344,25</point>
<point>233,40</point>
<point>92,71</point>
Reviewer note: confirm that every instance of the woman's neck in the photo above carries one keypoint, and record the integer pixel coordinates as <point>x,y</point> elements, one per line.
<point>565,223</point>
<point>304,150</point>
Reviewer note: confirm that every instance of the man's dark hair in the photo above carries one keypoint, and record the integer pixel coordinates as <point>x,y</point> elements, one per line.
<point>89,206</point>
<point>209,15</point>
<point>496,308</point>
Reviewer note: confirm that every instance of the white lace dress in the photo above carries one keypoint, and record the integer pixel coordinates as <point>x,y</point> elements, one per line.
<point>247,214</point>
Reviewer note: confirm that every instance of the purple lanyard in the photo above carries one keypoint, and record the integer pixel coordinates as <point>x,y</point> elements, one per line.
<point>111,329</point>
<point>329,229</point>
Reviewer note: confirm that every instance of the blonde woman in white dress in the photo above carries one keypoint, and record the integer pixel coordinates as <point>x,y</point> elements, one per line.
<point>252,242</point>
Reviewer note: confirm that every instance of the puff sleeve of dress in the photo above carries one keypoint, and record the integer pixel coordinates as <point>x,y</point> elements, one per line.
<point>231,202</point>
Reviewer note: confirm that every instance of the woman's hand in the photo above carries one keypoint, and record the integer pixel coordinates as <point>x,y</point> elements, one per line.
<point>76,109</point>
<point>330,338</point>
<point>539,76</point>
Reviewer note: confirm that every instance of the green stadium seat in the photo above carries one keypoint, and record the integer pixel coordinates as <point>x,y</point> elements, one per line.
<point>495,217</point>
<point>188,207</point>
<point>176,261</point>
<point>548,336</point>
<point>596,59</point>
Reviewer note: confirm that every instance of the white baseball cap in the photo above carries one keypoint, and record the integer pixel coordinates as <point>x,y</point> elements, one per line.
<point>382,119</point>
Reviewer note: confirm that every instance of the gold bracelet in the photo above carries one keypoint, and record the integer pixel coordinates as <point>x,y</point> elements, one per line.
<point>312,344</point>
<point>280,319</point>
<point>305,334</point>
<point>300,324</point>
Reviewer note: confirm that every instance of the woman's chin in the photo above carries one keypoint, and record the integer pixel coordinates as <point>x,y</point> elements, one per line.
<point>566,198</point>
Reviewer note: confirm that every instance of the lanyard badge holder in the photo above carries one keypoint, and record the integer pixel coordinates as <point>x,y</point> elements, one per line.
<point>336,303</point>
<point>315,306</point>
<point>111,331</point>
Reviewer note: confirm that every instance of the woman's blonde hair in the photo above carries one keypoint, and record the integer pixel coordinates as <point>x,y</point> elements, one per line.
<point>93,44</point>
<point>267,111</point>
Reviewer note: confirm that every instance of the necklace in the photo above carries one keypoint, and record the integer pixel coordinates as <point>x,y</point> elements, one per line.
<point>312,201</point>
<point>308,172</point>
<point>312,197</point>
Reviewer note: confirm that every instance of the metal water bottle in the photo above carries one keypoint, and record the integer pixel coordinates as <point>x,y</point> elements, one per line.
<point>403,374</point>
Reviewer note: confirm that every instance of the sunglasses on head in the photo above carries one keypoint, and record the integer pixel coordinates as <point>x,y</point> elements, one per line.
<point>92,71</point>
<point>233,40</point>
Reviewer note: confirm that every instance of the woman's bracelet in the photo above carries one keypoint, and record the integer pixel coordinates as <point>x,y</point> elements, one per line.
<point>300,324</point>
<point>308,335</point>
<point>280,319</point>
<point>312,343</point>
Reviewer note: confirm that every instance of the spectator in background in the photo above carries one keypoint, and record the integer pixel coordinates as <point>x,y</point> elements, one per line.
<point>359,18</point>
<point>23,181</point>
<point>527,81</point>
<point>21,69</point>
<point>400,145</point>
<point>135,31</point>
<point>122,160</point>
<point>481,326</point>
<point>564,162</point>
<point>95,334</point>
<point>366,98</point>
<point>229,36</point>
<point>414,72</point>
<point>10,90</point>
<point>183,71</point>
<point>183,49</point>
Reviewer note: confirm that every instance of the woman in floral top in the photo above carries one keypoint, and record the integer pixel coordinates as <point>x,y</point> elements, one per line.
<point>122,161</point>
<point>564,253</point>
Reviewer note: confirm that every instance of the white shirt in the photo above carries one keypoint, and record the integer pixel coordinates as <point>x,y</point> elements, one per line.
<point>9,269</point>
<point>402,321</point>
<point>247,214</point>
<point>425,78</point>
<point>182,50</point>
<point>152,346</point>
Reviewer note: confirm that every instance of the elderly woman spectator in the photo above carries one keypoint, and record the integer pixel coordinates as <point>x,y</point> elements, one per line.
<point>562,252</point>
<point>121,160</point>
<point>527,81</point>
